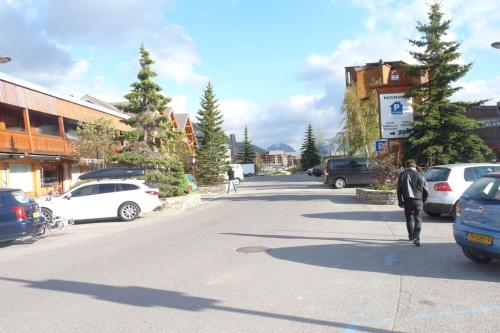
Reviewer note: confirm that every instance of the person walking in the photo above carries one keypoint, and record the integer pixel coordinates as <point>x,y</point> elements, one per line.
<point>231,182</point>
<point>412,193</point>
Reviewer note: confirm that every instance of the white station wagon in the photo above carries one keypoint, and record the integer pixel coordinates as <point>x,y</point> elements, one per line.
<point>125,199</point>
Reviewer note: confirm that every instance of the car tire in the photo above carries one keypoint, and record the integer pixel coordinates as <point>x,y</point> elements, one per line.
<point>339,183</point>
<point>47,214</point>
<point>237,181</point>
<point>476,257</point>
<point>128,211</point>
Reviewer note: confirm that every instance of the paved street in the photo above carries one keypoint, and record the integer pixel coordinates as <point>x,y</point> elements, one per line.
<point>331,265</point>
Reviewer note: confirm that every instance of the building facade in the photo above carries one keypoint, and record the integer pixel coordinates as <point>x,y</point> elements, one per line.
<point>37,136</point>
<point>489,119</point>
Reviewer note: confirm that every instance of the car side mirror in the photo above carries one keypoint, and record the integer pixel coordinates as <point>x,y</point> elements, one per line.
<point>67,196</point>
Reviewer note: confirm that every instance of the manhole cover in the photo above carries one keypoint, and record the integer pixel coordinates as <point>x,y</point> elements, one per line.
<point>252,249</point>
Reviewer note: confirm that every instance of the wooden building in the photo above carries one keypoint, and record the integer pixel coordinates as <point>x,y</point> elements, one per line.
<point>37,135</point>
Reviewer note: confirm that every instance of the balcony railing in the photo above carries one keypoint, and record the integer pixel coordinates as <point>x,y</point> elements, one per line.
<point>19,142</point>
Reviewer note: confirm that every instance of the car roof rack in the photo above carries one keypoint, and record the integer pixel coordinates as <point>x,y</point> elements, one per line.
<point>113,173</point>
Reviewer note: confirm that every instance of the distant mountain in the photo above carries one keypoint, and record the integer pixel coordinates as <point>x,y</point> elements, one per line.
<point>257,149</point>
<point>281,146</point>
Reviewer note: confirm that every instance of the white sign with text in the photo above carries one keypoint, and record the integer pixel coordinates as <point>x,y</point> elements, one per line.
<point>396,115</point>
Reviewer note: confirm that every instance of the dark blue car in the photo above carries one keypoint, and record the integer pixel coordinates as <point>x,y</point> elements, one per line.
<point>477,226</point>
<point>19,215</point>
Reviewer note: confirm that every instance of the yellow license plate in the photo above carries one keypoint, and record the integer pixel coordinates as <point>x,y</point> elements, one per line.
<point>36,214</point>
<point>478,238</point>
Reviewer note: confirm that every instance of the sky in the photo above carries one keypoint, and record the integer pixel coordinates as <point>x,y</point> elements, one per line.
<point>276,65</point>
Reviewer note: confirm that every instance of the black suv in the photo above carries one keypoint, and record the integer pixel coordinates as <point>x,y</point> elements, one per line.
<point>340,172</point>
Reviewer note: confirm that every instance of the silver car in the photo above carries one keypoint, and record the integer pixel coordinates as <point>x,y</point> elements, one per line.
<point>447,183</point>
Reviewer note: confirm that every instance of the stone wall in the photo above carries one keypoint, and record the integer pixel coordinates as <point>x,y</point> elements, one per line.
<point>374,197</point>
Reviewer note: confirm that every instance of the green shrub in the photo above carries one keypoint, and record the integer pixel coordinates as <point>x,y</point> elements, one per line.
<point>170,184</point>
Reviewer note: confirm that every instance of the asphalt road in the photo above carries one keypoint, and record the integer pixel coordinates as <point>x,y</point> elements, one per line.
<point>324,263</point>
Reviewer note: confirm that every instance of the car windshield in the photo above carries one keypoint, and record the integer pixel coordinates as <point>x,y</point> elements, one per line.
<point>21,197</point>
<point>437,174</point>
<point>486,188</point>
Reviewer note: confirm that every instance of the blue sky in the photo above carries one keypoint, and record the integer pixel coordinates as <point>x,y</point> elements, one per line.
<point>276,65</point>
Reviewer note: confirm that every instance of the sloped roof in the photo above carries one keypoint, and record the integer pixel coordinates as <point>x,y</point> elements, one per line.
<point>100,102</point>
<point>181,120</point>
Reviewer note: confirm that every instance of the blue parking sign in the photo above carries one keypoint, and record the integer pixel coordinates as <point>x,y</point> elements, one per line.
<point>379,145</point>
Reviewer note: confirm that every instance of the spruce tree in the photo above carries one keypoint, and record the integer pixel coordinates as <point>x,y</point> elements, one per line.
<point>309,156</point>
<point>212,154</point>
<point>152,133</point>
<point>248,153</point>
<point>442,133</point>
<point>146,105</point>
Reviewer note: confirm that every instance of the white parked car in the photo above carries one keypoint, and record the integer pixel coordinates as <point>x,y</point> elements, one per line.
<point>447,183</point>
<point>125,199</point>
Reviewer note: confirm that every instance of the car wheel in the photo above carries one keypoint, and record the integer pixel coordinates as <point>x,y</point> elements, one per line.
<point>47,215</point>
<point>339,183</point>
<point>431,214</point>
<point>128,211</point>
<point>237,181</point>
<point>476,257</point>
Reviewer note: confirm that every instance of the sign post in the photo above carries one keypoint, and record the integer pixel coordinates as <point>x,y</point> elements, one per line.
<point>396,115</point>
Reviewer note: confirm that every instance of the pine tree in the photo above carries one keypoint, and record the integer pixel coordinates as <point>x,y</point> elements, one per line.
<point>248,153</point>
<point>152,133</point>
<point>146,105</point>
<point>309,156</point>
<point>212,153</point>
<point>441,133</point>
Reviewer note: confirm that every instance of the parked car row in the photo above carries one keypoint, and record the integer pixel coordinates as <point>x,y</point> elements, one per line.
<point>99,198</point>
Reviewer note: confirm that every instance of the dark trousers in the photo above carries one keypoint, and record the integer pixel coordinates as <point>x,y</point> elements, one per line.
<point>413,207</point>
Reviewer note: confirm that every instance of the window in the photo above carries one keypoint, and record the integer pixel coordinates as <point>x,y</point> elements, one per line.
<point>11,118</point>
<point>44,124</point>
<point>21,197</point>
<point>86,190</point>
<point>126,187</point>
<point>49,175</point>
<point>437,174</point>
<point>106,188</point>
<point>486,188</point>
<point>70,127</point>
<point>474,173</point>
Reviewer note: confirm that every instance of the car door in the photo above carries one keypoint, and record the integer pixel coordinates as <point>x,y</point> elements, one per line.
<point>7,218</point>
<point>81,203</point>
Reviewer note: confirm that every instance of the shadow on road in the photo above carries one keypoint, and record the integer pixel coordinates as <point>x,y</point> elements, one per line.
<point>398,257</point>
<point>149,297</point>
<point>389,216</point>
<point>339,199</point>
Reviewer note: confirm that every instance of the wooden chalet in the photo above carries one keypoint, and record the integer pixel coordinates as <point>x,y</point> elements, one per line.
<point>37,135</point>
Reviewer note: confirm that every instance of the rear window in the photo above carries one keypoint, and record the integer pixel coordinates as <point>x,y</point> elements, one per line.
<point>486,188</point>
<point>106,188</point>
<point>126,187</point>
<point>474,173</point>
<point>21,197</point>
<point>437,174</point>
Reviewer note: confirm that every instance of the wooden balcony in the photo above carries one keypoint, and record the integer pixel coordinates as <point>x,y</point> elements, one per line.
<point>20,142</point>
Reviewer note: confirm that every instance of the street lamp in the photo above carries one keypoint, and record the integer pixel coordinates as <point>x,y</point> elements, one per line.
<point>4,59</point>
<point>496,45</point>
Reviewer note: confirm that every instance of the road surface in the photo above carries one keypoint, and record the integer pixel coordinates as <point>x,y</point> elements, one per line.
<point>285,254</point>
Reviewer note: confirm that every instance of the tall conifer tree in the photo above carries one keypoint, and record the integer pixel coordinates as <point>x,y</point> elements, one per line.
<point>309,156</point>
<point>248,153</point>
<point>212,154</point>
<point>441,133</point>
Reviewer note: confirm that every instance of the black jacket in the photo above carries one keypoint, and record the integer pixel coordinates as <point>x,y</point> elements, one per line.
<point>230,174</point>
<point>411,184</point>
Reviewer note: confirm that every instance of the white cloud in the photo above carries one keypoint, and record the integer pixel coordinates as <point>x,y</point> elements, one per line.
<point>479,89</point>
<point>176,56</point>
<point>179,103</point>
<point>282,121</point>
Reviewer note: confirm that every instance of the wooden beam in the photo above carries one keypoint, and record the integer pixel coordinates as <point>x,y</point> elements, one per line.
<point>27,127</point>
<point>63,134</point>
